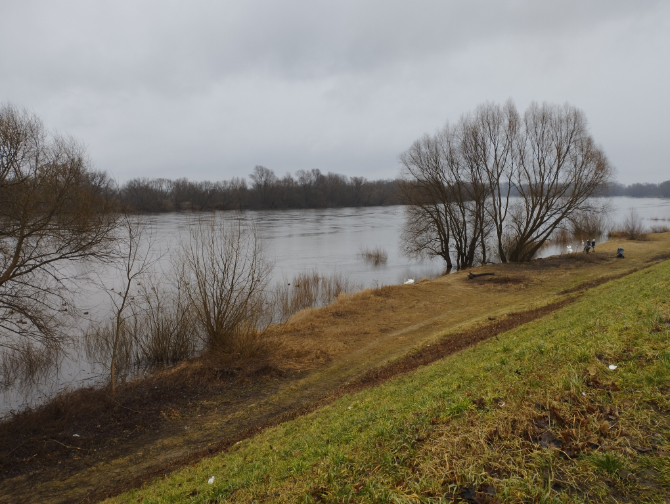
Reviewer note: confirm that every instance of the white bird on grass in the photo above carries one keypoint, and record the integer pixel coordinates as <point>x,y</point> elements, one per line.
<point>409,281</point>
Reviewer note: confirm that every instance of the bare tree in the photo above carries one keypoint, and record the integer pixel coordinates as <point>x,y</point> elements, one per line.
<point>151,321</point>
<point>225,274</point>
<point>488,145</point>
<point>265,183</point>
<point>559,169</point>
<point>427,230</point>
<point>493,172</point>
<point>447,201</point>
<point>135,258</point>
<point>52,219</point>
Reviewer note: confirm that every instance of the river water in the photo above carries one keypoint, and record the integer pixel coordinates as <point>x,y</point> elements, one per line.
<point>325,240</point>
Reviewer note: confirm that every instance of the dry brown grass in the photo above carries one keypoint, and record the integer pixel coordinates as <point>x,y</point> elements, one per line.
<point>622,235</point>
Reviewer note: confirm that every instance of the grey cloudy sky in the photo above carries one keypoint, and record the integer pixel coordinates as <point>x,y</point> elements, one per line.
<point>208,89</point>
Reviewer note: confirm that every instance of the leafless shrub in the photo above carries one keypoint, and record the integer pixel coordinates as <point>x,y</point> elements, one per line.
<point>632,227</point>
<point>169,331</point>
<point>588,225</point>
<point>375,256</point>
<point>158,330</point>
<point>224,273</point>
<point>334,285</point>
<point>107,342</point>
<point>510,243</point>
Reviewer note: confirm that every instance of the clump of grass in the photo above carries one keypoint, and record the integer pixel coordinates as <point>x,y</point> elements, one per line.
<point>607,462</point>
<point>375,256</point>
<point>660,229</point>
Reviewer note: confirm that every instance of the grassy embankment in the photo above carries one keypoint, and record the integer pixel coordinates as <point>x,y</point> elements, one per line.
<point>154,426</point>
<point>534,415</point>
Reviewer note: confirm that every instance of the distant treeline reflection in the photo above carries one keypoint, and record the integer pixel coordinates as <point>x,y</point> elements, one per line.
<point>305,189</point>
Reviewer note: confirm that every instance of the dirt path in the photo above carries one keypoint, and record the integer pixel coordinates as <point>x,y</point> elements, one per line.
<point>358,341</point>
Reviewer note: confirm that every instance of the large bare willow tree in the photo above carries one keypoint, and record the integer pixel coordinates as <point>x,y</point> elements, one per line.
<point>447,205</point>
<point>559,169</point>
<point>496,176</point>
<point>54,215</point>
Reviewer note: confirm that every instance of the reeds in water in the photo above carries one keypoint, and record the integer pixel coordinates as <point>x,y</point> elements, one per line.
<point>375,256</point>
<point>158,331</point>
<point>309,290</point>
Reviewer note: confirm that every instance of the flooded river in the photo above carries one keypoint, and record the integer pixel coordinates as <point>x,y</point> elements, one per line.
<point>325,240</point>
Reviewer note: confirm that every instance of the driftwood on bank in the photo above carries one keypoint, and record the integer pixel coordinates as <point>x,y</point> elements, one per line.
<point>475,275</point>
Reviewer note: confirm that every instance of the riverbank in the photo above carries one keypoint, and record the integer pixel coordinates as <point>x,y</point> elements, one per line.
<point>572,407</point>
<point>202,407</point>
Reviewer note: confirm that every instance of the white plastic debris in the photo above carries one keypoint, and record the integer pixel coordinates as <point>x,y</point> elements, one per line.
<point>409,281</point>
<point>502,404</point>
<point>349,407</point>
<point>210,480</point>
<point>75,435</point>
<point>612,367</point>
<point>583,393</point>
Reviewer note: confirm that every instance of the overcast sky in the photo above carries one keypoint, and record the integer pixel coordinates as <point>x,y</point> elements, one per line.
<point>209,89</point>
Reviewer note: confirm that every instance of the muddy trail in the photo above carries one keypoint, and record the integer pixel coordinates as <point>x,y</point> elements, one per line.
<point>87,445</point>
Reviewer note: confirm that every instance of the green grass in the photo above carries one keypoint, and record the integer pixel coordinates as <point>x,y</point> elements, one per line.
<point>535,416</point>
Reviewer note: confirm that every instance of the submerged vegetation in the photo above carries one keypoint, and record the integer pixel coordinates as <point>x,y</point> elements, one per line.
<point>375,256</point>
<point>308,290</point>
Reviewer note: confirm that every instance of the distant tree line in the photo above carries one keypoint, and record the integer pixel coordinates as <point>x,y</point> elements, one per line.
<point>308,189</point>
<point>637,190</point>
